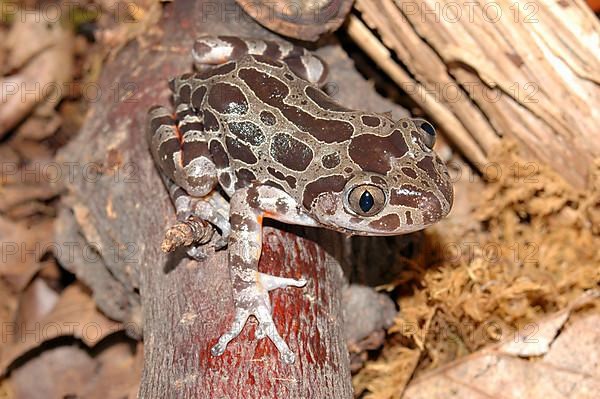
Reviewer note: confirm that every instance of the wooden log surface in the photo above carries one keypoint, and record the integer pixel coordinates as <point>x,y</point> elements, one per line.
<point>118,206</point>
<point>183,306</point>
<point>528,70</point>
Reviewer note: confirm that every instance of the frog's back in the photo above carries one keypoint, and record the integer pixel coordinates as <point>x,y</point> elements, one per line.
<point>263,122</point>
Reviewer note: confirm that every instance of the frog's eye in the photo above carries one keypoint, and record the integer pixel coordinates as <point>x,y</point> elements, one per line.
<point>428,132</point>
<point>366,200</point>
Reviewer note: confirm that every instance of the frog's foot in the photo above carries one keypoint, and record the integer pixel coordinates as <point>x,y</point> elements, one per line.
<point>254,300</point>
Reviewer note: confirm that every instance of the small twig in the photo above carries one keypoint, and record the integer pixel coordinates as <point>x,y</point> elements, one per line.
<point>191,231</point>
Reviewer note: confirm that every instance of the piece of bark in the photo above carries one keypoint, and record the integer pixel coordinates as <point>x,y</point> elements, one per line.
<point>304,20</point>
<point>118,202</point>
<point>483,71</point>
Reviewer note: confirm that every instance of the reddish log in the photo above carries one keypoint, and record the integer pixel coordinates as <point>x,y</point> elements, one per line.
<point>185,305</point>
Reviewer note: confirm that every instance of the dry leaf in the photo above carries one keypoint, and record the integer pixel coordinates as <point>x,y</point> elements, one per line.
<point>75,315</point>
<point>564,366</point>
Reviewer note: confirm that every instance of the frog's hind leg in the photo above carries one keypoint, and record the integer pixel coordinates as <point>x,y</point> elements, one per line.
<point>215,50</point>
<point>251,288</point>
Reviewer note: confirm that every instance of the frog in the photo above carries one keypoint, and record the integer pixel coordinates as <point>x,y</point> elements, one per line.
<point>252,136</point>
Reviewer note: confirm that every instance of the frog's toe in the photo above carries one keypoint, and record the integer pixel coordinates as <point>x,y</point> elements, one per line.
<point>273,282</point>
<point>254,300</point>
<point>239,320</point>
<point>263,314</point>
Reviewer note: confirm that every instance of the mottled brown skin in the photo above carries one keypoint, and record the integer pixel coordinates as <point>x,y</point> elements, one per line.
<point>254,121</point>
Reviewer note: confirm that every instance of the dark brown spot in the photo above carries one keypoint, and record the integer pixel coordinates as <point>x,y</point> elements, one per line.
<point>216,71</point>
<point>371,121</point>
<point>272,51</point>
<point>239,150</point>
<point>399,144</point>
<point>268,118</point>
<point>289,76</point>
<point>330,161</point>
<point>273,91</point>
<point>332,184</point>
<point>291,153</point>
<point>291,180</point>
<point>253,197</point>
<point>389,222</point>
<point>267,61</point>
<point>275,173</point>
<point>244,177</point>
<point>227,99</point>
<point>157,122</point>
<point>178,192</point>
<point>194,149</point>
<point>296,65</point>
<point>407,195</point>
<point>210,121</point>
<point>198,97</point>
<point>424,201</point>
<point>327,130</point>
<point>372,153</point>
<point>191,126</point>
<point>409,172</point>
<point>247,131</point>
<point>239,222</point>
<point>185,92</point>
<point>323,100</point>
<point>219,155</point>
<point>427,166</point>
<point>378,181</point>
<point>269,89</point>
<point>239,47</point>
<point>225,179</point>
<point>409,219</point>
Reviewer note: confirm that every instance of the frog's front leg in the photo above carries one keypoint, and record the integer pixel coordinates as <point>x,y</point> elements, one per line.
<point>250,287</point>
<point>193,213</point>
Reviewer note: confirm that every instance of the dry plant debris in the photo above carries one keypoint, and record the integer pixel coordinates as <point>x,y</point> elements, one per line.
<point>533,252</point>
<point>55,342</point>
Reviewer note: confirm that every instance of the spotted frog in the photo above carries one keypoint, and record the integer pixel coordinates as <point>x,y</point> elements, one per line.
<point>253,121</point>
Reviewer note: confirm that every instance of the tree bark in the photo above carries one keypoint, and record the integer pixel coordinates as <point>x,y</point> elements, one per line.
<point>525,70</point>
<point>117,204</point>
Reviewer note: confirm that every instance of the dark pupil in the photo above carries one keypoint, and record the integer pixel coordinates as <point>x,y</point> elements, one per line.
<point>428,128</point>
<point>366,201</point>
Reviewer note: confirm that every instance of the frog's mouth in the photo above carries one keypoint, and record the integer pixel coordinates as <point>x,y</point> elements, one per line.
<point>406,229</point>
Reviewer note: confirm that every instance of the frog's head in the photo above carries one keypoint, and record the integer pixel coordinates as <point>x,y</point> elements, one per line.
<point>393,183</point>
